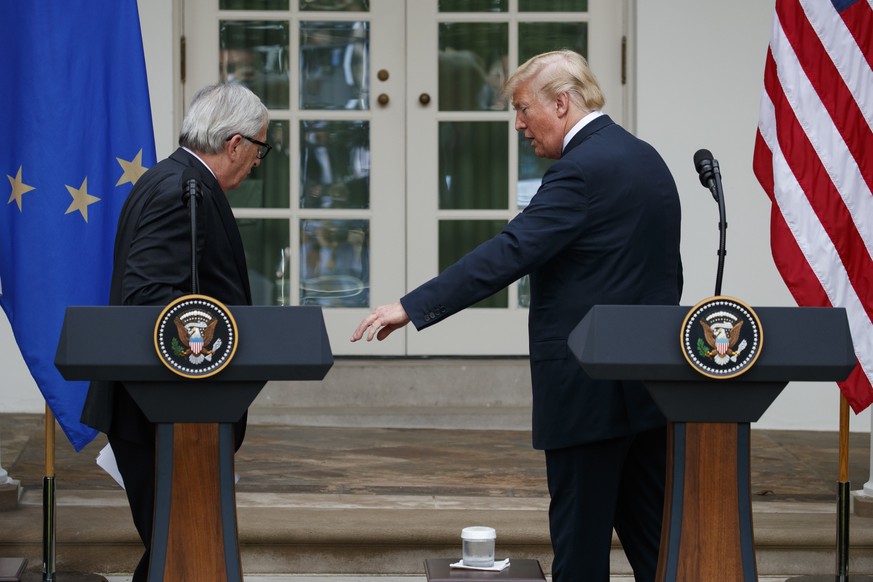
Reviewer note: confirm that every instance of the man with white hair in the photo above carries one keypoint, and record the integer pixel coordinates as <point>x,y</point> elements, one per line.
<point>221,140</point>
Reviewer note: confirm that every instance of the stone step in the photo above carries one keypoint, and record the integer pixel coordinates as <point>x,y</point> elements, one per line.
<point>436,417</point>
<point>391,535</point>
<point>424,382</point>
<point>448,393</point>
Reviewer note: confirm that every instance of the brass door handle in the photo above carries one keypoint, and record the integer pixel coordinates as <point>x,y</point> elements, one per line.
<point>383,99</point>
<point>424,98</point>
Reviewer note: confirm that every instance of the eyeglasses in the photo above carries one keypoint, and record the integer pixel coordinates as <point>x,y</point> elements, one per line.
<point>263,148</point>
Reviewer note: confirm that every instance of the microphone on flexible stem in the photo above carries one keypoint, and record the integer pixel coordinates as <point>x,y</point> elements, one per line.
<point>191,196</point>
<point>710,177</point>
<point>706,168</point>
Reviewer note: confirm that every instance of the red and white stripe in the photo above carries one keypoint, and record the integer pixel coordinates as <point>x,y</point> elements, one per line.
<point>814,157</point>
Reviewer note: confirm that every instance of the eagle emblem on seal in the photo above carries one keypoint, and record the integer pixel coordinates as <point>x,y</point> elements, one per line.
<point>721,339</point>
<point>195,331</point>
<point>727,341</point>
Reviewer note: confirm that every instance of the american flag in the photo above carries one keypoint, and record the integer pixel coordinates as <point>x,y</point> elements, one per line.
<point>814,157</point>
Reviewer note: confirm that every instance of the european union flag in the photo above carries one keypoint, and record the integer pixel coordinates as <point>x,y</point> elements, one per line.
<point>76,135</point>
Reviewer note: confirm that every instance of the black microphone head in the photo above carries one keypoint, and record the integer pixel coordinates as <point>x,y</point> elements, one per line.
<point>703,163</point>
<point>187,175</point>
<point>701,156</point>
<point>189,185</point>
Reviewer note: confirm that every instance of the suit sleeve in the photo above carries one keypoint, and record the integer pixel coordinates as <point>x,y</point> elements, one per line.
<point>553,221</point>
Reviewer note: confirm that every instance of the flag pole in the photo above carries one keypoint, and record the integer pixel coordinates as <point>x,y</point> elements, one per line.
<point>49,513</point>
<point>843,509</point>
<point>843,494</point>
<point>48,500</point>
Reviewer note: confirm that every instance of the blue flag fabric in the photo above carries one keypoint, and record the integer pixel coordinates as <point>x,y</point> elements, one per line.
<point>77,134</point>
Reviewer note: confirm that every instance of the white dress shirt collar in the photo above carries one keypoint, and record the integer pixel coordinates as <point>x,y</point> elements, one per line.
<point>579,125</point>
<point>204,163</point>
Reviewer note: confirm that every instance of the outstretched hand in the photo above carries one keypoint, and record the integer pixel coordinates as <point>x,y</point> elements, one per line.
<point>384,320</point>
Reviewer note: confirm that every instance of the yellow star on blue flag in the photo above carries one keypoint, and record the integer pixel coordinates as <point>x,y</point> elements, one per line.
<point>75,113</point>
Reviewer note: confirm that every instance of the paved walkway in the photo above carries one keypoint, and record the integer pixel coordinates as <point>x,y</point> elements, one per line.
<point>797,466</point>
<point>306,468</point>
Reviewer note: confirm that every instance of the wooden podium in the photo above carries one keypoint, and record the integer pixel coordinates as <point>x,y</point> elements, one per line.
<point>707,532</point>
<point>195,531</point>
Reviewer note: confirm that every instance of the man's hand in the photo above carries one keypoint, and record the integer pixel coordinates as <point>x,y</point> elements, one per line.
<point>384,320</point>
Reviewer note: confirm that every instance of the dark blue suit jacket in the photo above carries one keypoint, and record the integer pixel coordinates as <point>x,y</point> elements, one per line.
<point>602,229</point>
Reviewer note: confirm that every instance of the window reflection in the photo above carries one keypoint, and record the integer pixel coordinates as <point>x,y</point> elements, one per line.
<point>473,5</point>
<point>472,65</point>
<point>335,263</point>
<point>255,54</point>
<point>266,243</point>
<point>334,164</point>
<point>334,65</point>
<point>530,171</point>
<point>253,4</point>
<point>553,5</point>
<point>524,291</point>
<point>335,5</point>
<point>268,185</point>
<point>473,165</point>
<point>539,37</point>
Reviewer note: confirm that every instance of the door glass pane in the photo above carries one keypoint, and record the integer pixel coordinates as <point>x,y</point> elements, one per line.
<point>458,237</point>
<point>334,67</point>
<point>267,249</point>
<point>524,291</point>
<point>253,4</point>
<point>255,53</point>
<point>539,37</point>
<point>343,5</point>
<point>553,5</point>
<point>473,165</point>
<point>268,185</point>
<point>530,171</point>
<point>473,5</point>
<point>472,65</point>
<point>334,164</point>
<point>335,263</point>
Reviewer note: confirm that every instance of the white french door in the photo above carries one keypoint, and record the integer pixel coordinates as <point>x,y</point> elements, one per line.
<point>392,154</point>
<point>468,174</point>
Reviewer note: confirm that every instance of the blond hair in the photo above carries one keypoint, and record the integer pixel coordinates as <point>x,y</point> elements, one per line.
<point>556,72</point>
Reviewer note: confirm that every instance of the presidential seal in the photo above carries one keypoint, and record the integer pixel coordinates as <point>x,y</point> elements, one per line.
<point>721,337</point>
<point>195,336</point>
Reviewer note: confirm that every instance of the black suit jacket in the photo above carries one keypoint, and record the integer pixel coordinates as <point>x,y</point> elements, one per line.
<point>152,266</point>
<point>603,228</point>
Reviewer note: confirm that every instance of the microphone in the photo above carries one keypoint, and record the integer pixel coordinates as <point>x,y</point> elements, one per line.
<point>190,197</point>
<point>190,186</point>
<point>710,177</point>
<point>707,170</point>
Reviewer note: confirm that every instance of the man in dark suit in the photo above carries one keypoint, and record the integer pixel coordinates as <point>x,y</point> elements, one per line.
<point>222,139</point>
<point>603,228</point>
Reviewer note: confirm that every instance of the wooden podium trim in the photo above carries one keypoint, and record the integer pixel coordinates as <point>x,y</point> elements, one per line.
<point>707,532</point>
<point>195,530</point>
